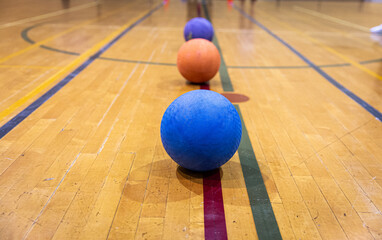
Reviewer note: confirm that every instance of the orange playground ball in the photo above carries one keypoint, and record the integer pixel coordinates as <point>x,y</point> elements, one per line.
<point>198,60</point>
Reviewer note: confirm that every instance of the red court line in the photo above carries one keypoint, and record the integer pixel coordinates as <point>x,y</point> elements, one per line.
<point>205,86</point>
<point>214,218</point>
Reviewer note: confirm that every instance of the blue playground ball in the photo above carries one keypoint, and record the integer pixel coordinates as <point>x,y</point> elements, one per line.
<point>198,28</point>
<point>201,130</point>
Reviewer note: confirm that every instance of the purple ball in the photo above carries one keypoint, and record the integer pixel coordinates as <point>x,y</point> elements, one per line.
<point>198,28</point>
<point>201,130</point>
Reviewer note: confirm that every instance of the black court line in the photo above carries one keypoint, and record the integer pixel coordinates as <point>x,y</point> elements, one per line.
<point>11,124</point>
<point>371,61</point>
<point>24,35</point>
<point>350,94</point>
<point>59,50</point>
<point>137,61</point>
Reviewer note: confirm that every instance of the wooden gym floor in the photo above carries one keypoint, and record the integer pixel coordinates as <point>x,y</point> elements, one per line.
<point>84,84</point>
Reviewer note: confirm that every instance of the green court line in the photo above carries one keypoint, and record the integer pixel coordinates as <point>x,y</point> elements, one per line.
<point>263,215</point>
<point>262,211</point>
<point>224,76</point>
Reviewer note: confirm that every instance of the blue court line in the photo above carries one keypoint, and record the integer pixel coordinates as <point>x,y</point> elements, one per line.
<point>357,99</point>
<point>11,124</point>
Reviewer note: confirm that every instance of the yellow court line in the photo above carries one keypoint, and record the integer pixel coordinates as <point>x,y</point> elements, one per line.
<point>37,44</point>
<point>331,19</point>
<point>66,69</point>
<point>48,15</point>
<point>329,49</point>
<point>29,66</point>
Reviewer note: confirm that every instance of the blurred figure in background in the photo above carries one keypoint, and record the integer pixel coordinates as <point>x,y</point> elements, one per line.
<point>65,4</point>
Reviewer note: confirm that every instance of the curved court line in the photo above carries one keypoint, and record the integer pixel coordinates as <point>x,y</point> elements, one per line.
<point>60,51</point>
<point>24,35</point>
<point>39,43</point>
<point>373,111</point>
<point>86,59</point>
<point>47,15</point>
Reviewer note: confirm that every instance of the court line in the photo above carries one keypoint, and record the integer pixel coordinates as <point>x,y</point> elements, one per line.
<point>269,67</point>
<point>24,32</point>
<point>263,215</point>
<point>60,73</point>
<point>327,48</point>
<point>261,207</point>
<point>96,50</point>
<point>138,61</point>
<point>350,94</point>
<point>244,67</point>
<point>98,153</point>
<point>48,15</point>
<point>37,44</point>
<point>26,86</point>
<point>215,226</point>
<point>214,218</point>
<point>371,61</point>
<point>58,50</point>
<point>25,36</point>
<point>29,66</point>
<point>331,19</point>
<point>224,76</point>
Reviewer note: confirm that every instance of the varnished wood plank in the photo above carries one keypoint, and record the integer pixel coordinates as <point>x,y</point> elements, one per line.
<point>150,228</point>
<point>178,207</point>
<point>89,163</point>
<point>127,217</point>
<point>320,211</point>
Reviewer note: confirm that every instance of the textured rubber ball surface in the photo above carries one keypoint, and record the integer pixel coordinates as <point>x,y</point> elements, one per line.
<point>198,28</point>
<point>198,60</point>
<point>201,130</point>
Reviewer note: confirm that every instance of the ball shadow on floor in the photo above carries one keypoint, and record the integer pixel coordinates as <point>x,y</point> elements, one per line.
<point>168,173</point>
